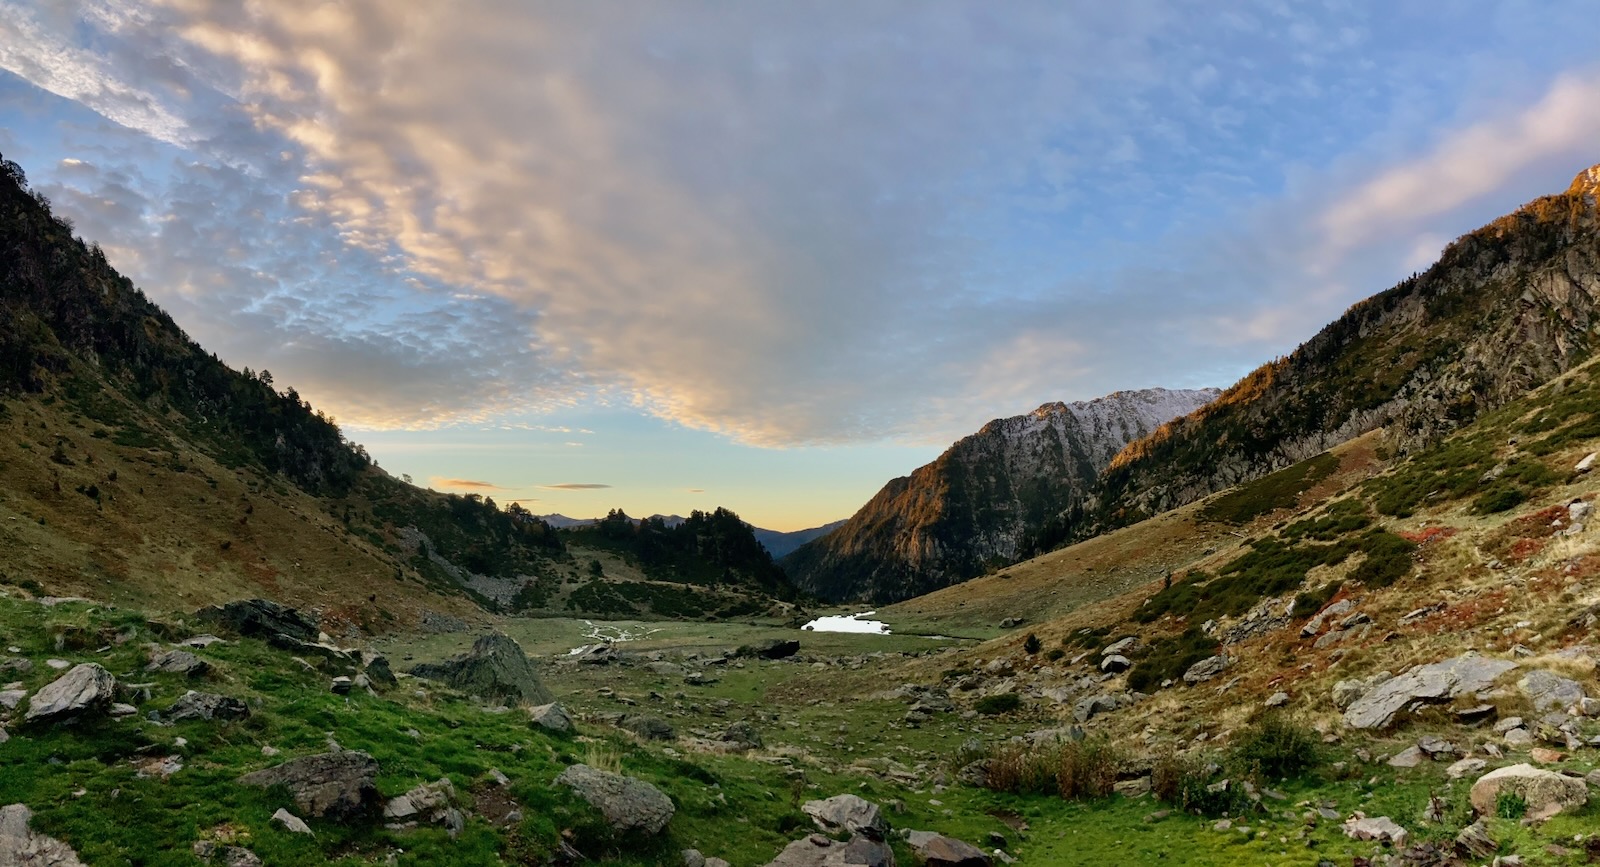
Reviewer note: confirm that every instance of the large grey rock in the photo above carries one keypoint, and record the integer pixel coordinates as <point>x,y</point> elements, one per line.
<point>260,618</point>
<point>627,804</point>
<point>1115,663</point>
<point>1543,790</point>
<point>21,847</point>
<point>847,813</point>
<point>1439,681</point>
<point>495,668</point>
<point>1089,707</point>
<point>179,662</point>
<point>551,717</point>
<point>86,691</point>
<point>1550,691</point>
<point>341,786</point>
<point>937,850</point>
<point>1206,669</point>
<point>206,706</point>
<point>651,728</point>
<point>1380,828</point>
<point>819,851</point>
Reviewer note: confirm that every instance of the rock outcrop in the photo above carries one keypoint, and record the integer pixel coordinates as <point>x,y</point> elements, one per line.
<point>628,805</point>
<point>338,786</point>
<point>206,706</point>
<point>937,850</point>
<point>84,692</point>
<point>23,847</point>
<point>816,850</point>
<point>495,668</point>
<point>849,813</point>
<point>1439,681</point>
<point>260,618</point>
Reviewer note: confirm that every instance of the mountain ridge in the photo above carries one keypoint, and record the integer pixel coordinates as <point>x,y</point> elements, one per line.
<point>976,503</point>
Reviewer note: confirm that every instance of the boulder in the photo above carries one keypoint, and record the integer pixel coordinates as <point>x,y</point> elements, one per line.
<point>1088,707</point>
<point>937,850</point>
<point>1345,692</point>
<point>1543,790</point>
<point>1550,691</point>
<point>428,802</point>
<point>206,706</point>
<point>775,648</point>
<point>180,662</point>
<point>743,734</point>
<point>1206,669</point>
<point>819,851</point>
<point>849,813</point>
<point>377,669</point>
<point>651,728</point>
<point>495,668</point>
<point>21,846</point>
<point>1115,663</point>
<point>627,804</point>
<point>291,823</point>
<point>1439,681</point>
<point>1121,647</point>
<point>10,698</point>
<point>1474,842</point>
<point>340,786</point>
<point>1381,828</point>
<point>551,717</point>
<point>1465,768</point>
<point>260,618</point>
<point>86,691</point>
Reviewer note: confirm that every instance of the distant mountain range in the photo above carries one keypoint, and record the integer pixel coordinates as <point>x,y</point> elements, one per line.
<point>777,542</point>
<point>979,501</point>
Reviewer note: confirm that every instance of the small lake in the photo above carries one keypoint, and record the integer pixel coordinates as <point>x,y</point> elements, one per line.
<point>848,623</point>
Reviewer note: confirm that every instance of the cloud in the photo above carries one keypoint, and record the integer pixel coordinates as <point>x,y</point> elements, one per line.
<point>465,483</point>
<point>789,224</point>
<point>1472,162</point>
<point>575,486</point>
<point>696,490</point>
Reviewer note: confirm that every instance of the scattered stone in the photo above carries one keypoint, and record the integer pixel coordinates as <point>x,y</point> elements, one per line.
<point>1409,757</point>
<point>1465,767</point>
<point>744,735</point>
<point>376,667</point>
<point>1012,622</point>
<point>290,821</point>
<point>18,664</point>
<point>1541,789</point>
<point>206,706</point>
<point>1587,463</point>
<point>1115,664</point>
<point>849,813</point>
<point>495,668</point>
<point>1474,841</point>
<point>1088,707</point>
<point>1437,681</point>
<point>1546,757</point>
<point>4,736</point>
<point>551,717</point>
<point>1382,829</point>
<point>1518,737</point>
<point>1206,669</point>
<point>341,685</point>
<point>937,850</point>
<point>1345,692</point>
<point>10,698</point>
<point>120,710</point>
<point>1437,748</point>
<point>340,786</point>
<point>58,664</point>
<point>1277,699</point>
<point>201,641</point>
<point>626,803</point>
<point>819,851</point>
<point>179,662</point>
<point>21,846</point>
<point>85,691</point>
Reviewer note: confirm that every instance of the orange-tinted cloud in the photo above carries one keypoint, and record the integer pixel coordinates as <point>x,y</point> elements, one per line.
<point>575,486</point>
<point>466,483</point>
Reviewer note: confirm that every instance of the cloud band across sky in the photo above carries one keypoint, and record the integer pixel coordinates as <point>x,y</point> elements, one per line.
<point>806,223</point>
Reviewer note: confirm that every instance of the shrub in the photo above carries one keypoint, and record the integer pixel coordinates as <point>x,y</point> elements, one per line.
<point>1055,653</point>
<point>1277,748</point>
<point>1510,805</point>
<point>1088,769</point>
<point>1168,658</point>
<point>1075,770</point>
<point>1031,644</point>
<point>1389,558</point>
<point>993,705</point>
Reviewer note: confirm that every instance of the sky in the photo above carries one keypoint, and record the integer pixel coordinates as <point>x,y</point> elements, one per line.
<point>674,255</point>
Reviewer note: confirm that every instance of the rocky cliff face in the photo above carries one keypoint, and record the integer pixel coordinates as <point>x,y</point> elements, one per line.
<point>1506,308</point>
<point>975,504</point>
